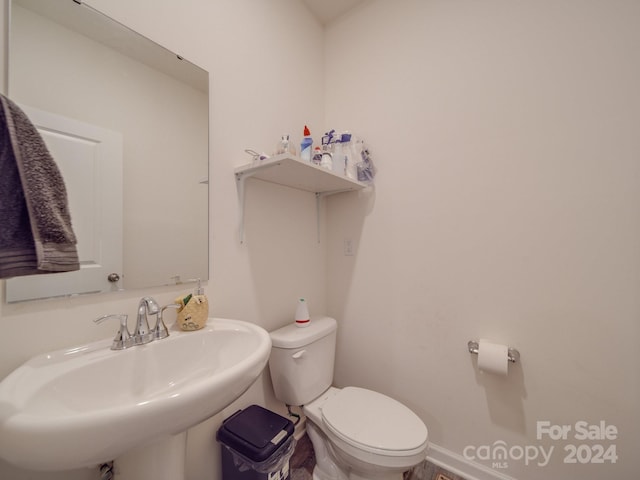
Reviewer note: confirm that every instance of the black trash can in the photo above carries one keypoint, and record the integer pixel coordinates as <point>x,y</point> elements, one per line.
<point>256,444</point>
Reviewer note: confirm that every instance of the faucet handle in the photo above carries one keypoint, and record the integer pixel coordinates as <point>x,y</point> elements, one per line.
<point>161,330</point>
<point>123,338</point>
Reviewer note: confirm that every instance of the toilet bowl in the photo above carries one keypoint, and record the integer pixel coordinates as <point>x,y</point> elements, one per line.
<point>356,433</point>
<point>366,432</point>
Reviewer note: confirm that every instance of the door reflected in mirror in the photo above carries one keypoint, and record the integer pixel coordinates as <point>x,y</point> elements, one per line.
<point>127,122</point>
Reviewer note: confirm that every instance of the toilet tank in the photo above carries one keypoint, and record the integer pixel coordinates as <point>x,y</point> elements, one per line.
<point>302,359</point>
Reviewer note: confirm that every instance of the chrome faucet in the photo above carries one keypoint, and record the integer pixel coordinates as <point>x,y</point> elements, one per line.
<point>142,333</point>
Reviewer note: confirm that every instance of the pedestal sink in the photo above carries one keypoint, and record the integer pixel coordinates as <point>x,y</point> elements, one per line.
<point>87,405</point>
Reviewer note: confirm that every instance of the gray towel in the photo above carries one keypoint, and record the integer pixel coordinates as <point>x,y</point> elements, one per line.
<point>35,225</point>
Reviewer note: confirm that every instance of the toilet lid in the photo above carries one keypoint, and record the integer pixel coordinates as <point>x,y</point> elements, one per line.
<point>373,421</point>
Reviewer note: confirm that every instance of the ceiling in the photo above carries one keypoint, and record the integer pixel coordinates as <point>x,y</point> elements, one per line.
<point>328,10</point>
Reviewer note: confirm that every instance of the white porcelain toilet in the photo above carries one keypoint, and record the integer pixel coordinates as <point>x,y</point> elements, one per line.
<point>357,434</point>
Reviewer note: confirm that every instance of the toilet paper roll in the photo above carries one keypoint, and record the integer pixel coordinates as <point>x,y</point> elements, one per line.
<point>493,357</point>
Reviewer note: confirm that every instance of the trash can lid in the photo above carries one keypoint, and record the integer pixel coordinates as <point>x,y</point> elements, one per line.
<point>255,432</point>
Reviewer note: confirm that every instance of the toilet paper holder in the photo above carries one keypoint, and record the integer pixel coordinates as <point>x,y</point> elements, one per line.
<point>512,354</point>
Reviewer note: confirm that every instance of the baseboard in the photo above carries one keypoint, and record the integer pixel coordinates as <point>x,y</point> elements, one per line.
<point>459,465</point>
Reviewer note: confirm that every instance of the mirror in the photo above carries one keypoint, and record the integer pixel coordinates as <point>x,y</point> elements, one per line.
<point>127,122</point>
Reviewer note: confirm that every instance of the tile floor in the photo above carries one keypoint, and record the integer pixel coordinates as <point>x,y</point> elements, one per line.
<point>303,460</point>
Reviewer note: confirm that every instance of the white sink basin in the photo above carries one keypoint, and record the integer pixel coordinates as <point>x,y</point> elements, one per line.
<point>87,405</point>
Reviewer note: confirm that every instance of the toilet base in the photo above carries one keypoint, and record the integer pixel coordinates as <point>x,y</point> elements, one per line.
<point>386,476</point>
<point>329,468</point>
<point>326,468</point>
<point>353,476</point>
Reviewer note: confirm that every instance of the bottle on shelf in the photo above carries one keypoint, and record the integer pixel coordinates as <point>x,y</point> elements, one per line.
<point>327,150</point>
<point>339,163</point>
<point>317,156</point>
<point>306,146</point>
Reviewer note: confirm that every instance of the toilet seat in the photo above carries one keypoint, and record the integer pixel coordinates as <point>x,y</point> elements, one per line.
<point>373,422</point>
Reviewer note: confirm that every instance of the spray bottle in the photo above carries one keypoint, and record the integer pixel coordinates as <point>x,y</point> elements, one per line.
<point>327,155</point>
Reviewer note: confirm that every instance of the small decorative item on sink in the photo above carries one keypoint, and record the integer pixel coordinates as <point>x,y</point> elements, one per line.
<point>193,310</point>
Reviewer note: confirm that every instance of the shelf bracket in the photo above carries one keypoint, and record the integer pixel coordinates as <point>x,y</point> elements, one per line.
<point>319,196</point>
<point>241,180</point>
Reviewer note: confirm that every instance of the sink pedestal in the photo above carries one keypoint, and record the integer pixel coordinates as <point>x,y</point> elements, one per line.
<point>163,459</point>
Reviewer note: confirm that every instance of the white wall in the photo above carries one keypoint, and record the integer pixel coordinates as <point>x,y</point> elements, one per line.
<point>506,207</point>
<point>263,83</point>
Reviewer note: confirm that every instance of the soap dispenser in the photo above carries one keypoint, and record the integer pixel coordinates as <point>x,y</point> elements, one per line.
<point>193,309</point>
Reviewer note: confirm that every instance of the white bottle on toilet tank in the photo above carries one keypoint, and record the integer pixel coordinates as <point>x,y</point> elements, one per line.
<point>302,317</point>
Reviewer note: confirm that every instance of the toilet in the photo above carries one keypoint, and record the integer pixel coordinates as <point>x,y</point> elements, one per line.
<point>357,434</point>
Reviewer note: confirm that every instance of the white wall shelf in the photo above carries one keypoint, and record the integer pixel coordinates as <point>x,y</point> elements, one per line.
<point>292,171</point>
